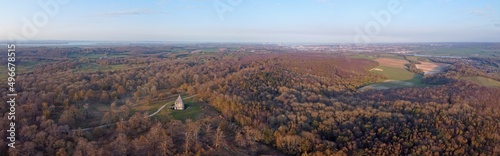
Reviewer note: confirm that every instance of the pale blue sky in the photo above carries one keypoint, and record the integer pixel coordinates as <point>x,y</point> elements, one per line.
<point>326,21</point>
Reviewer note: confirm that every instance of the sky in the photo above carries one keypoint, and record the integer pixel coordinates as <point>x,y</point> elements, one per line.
<point>281,21</point>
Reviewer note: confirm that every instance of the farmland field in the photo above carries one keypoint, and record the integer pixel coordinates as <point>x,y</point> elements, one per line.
<point>397,78</point>
<point>416,58</point>
<point>390,62</point>
<point>395,73</point>
<point>391,56</point>
<point>364,56</point>
<point>463,50</point>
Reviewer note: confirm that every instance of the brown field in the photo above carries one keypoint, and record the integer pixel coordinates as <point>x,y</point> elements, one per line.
<point>431,68</point>
<point>389,62</point>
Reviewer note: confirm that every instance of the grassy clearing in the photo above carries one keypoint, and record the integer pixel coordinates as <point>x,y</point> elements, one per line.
<point>191,112</point>
<point>3,73</point>
<point>483,81</point>
<point>397,78</point>
<point>417,58</point>
<point>414,82</point>
<point>152,107</point>
<point>21,67</point>
<point>387,85</point>
<point>24,67</point>
<point>363,56</point>
<point>193,109</point>
<point>395,73</point>
<point>412,58</point>
<point>97,56</point>
<point>116,67</point>
<point>210,50</point>
<point>462,51</point>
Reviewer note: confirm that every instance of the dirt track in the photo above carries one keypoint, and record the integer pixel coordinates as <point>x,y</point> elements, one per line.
<point>153,114</point>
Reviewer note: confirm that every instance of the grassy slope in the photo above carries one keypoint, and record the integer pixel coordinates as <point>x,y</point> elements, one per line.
<point>396,73</point>
<point>401,75</point>
<point>21,67</point>
<point>192,111</point>
<point>415,58</point>
<point>96,56</point>
<point>91,67</point>
<point>403,78</point>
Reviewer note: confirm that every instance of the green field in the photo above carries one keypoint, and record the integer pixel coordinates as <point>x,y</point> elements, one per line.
<point>192,110</point>
<point>210,50</point>
<point>395,73</point>
<point>364,56</point>
<point>483,81</point>
<point>461,50</point>
<point>97,56</point>
<point>397,78</point>
<point>416,58</point>
<point>375,56</point>
<point>465,52</point>
<point>21,67</point>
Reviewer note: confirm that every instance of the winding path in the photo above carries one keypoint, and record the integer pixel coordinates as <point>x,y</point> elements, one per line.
<point>150,115</point>
<point>158,111</point>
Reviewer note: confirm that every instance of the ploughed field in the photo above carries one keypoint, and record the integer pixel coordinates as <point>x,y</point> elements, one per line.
<point>431,67</point>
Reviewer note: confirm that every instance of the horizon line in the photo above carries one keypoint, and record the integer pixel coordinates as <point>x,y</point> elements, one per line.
<point>228,42</point>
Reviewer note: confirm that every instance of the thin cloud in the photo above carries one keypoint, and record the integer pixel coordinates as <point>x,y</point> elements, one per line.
<point>487,13</point>
<point>481,11</point>
<point>478,12</point>
<point>129,12</point>
<point>497,24</point>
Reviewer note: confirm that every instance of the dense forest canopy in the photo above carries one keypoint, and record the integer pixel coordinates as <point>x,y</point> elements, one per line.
<point>251,103</point>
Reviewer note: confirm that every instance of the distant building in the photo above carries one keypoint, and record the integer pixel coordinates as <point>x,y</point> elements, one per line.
<point>179,104</point>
